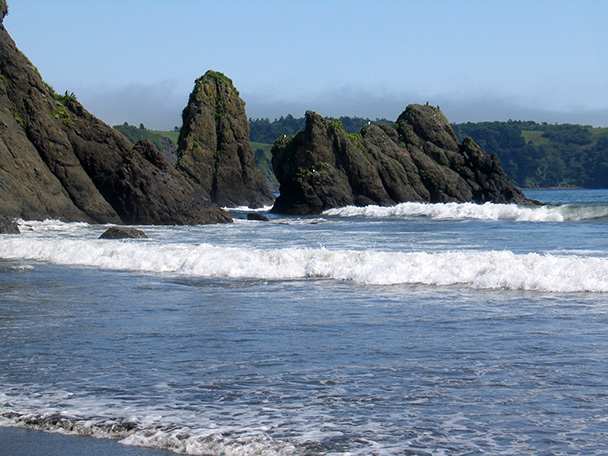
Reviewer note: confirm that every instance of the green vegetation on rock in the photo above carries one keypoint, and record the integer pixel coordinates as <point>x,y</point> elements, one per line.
<point>65,98</point>
<point>17,115</point>
<point>216,77</point>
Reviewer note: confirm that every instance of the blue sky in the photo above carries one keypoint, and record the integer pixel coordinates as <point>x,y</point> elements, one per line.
<point>136,60</point>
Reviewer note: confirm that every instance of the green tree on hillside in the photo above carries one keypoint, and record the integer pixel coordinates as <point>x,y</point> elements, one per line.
<point>544,155</point>
<point>265,131</point>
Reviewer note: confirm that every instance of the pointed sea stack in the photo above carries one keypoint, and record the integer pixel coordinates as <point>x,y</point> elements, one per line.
<point>59,161</point>
<point>213,146</point>
<point>417,159</point>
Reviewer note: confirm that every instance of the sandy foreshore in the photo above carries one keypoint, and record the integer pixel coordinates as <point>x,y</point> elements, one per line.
<point>26,442</point>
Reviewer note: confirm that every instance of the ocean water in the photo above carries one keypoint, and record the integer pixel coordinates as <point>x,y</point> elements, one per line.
<point>421,329</point>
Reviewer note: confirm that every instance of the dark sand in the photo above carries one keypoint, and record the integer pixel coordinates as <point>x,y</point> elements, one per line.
<point>25,442</point>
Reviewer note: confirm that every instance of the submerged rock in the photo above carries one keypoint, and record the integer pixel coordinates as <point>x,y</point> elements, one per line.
<point>8,226</point>
<point>419,159</point>
<point>258,217</point>
<point>123,232</point>
<point>213,146</point>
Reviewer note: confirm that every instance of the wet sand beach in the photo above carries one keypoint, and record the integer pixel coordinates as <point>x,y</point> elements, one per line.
<point>26,442</point>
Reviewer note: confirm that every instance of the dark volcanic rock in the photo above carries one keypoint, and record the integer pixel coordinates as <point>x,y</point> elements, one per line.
<point>123,232</point>
<point>8,226</point>
<point>213,146</point>
<point>258,217</point>
<point>59,161</point>
<point>145,189</point>
<point>421,160</point>
<point>169,150</point>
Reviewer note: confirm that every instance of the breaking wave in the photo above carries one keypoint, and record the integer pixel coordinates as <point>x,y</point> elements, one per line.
<point>487,211</point>
<point>486,269</point>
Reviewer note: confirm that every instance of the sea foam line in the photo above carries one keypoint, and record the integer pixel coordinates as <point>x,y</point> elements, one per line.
<point>179,439</point>
<point>487,211</point>
<point>471,268</point>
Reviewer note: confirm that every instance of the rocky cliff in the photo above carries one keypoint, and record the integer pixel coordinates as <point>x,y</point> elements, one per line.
<point>59,161</point>
<point>213,146</point>
<point>419,159</point>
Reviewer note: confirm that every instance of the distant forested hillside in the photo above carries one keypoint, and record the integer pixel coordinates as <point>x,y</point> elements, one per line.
<point>533,155</point>
<point>165,141</point>
<point>265,131</point>
<point>543,155</point>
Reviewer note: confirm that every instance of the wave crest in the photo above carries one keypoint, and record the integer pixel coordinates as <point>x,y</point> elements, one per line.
<point>471,268</point>
<point>487,211</point>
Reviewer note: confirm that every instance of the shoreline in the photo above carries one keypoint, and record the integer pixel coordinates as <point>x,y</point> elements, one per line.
<point>17,441</point>
<point>523,189</point>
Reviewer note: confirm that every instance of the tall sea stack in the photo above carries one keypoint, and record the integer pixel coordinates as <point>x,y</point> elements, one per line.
<point>417,159</point>
<point>213,146</point>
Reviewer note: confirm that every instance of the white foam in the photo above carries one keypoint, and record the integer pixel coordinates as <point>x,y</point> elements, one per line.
<point>178,439</point>
<point>472,268</point>
<point>248,209</point>
<point>170,427</point>
<point>49,229</point>
<point>182,441</point>
<point>487,211</point>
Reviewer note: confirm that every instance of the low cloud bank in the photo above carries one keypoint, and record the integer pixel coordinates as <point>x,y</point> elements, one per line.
<point>159,106</point>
